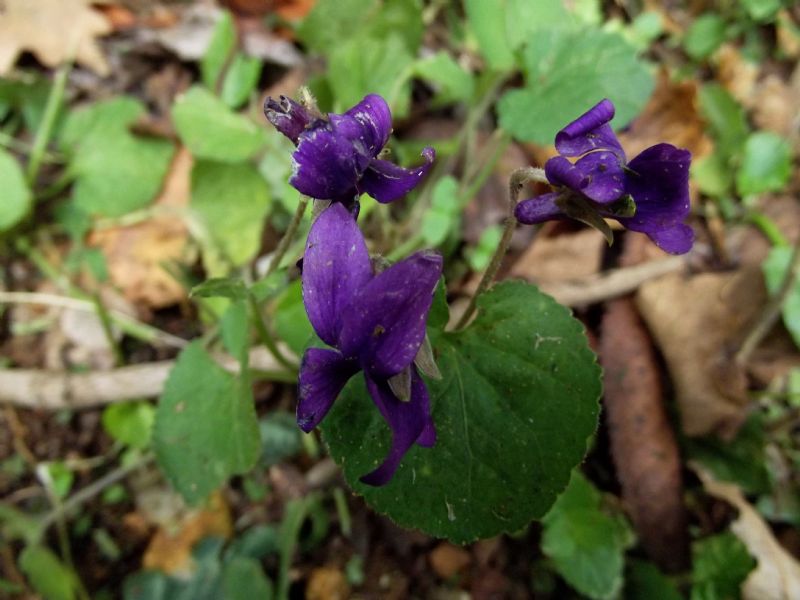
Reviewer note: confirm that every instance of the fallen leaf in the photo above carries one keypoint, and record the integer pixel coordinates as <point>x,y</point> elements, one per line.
<point>448,560</point>
<point>777,576</point>
<point>561,258</point>
<point>54,30</point>
<point>327,583</point>
<point>776,105</point>
<point>697,322</point>
<point>735,73</point>
<point>136,254</point>
<point>643,444</point>
<point>170,549</point>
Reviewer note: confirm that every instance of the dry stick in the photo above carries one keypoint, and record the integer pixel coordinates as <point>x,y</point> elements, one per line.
<point>772,311</point>
<point>518,179</point>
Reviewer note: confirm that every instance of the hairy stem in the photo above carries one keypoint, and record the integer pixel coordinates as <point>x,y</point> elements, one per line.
<point>518,179</point>
<point>286,240</point>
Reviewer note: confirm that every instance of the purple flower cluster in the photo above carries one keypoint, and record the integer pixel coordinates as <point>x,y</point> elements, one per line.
<point>337,156</point>
<point>657,181</point>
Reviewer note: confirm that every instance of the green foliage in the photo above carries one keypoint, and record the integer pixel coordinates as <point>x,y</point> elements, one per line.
<point>59,478</point>
<point>47,574</point>
<point>587,545</point>
<point>291,321</point>
<point>725,117</point>
<point>775,266</point>
<point>513,414</point>
<point>232,288</point>
<point>17,197</point>
<point>480,256</point>
<point>444,213</point>
<point>235,332</point>
<point>566,73</point>
<point>766,164</point>
<point>231,201</point>
<point>212,131</point>
<point>720,563</point>
<point>244,579</point>
<point>643,581</point>
<point>704,36</point>
<point>240,80</point>
<point>220,49</point>
<point>280,437</point>
<point>762,11</point>
<point>206,428</point>
<point>451,82</point>
<point>115,171</point>
<point>130,423</point>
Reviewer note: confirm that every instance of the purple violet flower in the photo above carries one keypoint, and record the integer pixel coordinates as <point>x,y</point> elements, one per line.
<point>337,156</point>
<point>375,323</point>
<point>657,181</point>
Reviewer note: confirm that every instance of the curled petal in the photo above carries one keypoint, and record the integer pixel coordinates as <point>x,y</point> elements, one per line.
<point>590,131</point>
<point>385,324</point>
<point>605,176</point>
<point>658,181</point>
<point>326,165</point>
<point>561,172</point>
<point>407,420</point>
<point>288,116</point>
<point>335,265</point>
<point>375,120</point>
<point>539,209</point>
<point>385,181</point>
<point>323,374</point>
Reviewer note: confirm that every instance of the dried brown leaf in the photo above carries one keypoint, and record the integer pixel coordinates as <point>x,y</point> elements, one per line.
<point>697,323</point>
<point>448,560</point>
<point>559,258</point>
<point>777,576</point>
<point>327,583</point>
<point>54,30</point>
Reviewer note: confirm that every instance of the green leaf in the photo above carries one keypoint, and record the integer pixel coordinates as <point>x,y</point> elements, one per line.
<point>524,17</point>
<point>231,201</point>
<point>712,174</point>
<point>211,130</point>
<point>220,48</point>
<point>280,437</point>
<point>488,24</point>
<point>244,579</point>
<point>480,256</point>
<point>364,65</point>
<point>17,199</point>
<point>720,564</point>
<point>567,72</point>
<point>60,478</point>
<point>644,580</point>
<point>451,81</point>
<point>741,460</point>
<point>332,21</point>
<point>235,331</point>
<point>116,172</point>
<point>47,574</point>
<point>206,428</point>
<point>440,219</point>
<point>766,164</point>
<point>762,11</point>
<point>774,267</point>
<point>513,413</point>
<point>586,545</point>
<point>130,423</point>
<point>221,287</point>
<point>704,36</point>
<point>240,80</point>
<point>291,322</point>
<point>725,117</point>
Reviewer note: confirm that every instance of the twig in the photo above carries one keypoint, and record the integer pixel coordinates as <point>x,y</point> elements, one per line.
<point>55,390</point>
<point>518,180</point>
<point>610,284</point>
<point>772,311</point>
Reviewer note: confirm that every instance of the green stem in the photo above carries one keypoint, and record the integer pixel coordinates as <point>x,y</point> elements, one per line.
<point>768,227</point>
<point>54,100</point>
<point>266,337</point>
<point>105,323</point>
<point>286,240</point>
<point>518,180</point>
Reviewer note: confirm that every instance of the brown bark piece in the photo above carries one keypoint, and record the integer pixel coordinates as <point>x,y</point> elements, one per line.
<point>643,445</point>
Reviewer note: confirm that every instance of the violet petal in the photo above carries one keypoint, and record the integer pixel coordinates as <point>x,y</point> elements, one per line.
<point>605,176</point>
<point>677,239</point>
<point>539,209</point>
<point>288,116</point>
<point>323,374</point>
<point>386,181</point>
<point>325,165</point>
<point>590,131</point>
<point>658,181</point>
<point>385,324</point>
<point>407,420</point>
<point>375,118</point>
<point>335,265</point>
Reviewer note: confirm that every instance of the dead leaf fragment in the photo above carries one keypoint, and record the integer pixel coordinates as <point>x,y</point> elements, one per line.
<point>561,258</point>
<point>643,445</point>
<point>54,30</point>
<point>327,583</point>
<point>136,254</point>
<point>448,560</point>
<point>697,322</point>
<point>777,575</point>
